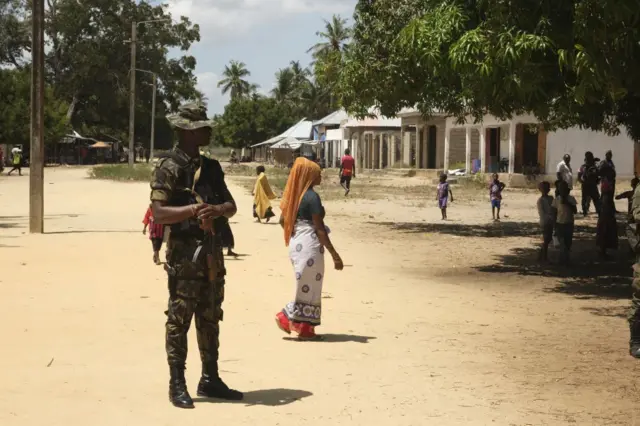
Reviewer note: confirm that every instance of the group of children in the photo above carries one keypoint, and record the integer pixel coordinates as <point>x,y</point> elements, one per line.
<point>556,214</point>
<point>496,187</point>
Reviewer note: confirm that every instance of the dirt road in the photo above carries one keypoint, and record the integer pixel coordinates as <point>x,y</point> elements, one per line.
<point>409,339</point>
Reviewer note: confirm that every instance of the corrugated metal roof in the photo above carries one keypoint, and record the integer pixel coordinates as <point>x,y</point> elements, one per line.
<point>377,121</point>
<point>300,130</point>
<point>292,143</point>
<point>333,119</point>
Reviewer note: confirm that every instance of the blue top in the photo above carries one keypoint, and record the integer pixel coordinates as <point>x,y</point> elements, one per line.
<point>310,205</point>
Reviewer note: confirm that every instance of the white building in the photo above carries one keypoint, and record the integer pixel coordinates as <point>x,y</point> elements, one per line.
<point>440,143</point>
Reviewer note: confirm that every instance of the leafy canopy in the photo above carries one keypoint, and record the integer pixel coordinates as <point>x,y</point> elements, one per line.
<point>569,63</point>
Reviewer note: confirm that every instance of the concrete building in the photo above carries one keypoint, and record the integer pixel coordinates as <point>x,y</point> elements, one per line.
<point>513,146</point>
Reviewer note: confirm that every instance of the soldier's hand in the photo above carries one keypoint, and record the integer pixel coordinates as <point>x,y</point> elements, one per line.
<point>210,211</point>
<point>206,224</point>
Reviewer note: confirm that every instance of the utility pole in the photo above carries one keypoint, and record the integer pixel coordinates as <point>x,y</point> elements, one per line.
<point>153,116</point>
<point>36,167</point>
<point>132,91</point>
<point>132,84</point>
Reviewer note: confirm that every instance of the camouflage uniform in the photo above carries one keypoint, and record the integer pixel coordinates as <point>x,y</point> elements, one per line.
<point>180,180</point>
<point>634,314</point>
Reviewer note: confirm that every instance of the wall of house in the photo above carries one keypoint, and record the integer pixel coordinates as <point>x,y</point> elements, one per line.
<point>458,146</point>
<point>576,142</point>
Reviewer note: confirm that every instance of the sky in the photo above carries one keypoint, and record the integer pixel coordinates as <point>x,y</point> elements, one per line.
<point>264,34</point>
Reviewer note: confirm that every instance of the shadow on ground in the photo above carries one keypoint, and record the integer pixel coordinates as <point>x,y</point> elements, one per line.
<point>490,230</point>
<point>267,397</point>
<point>588,277</point>
<point>335,338</point>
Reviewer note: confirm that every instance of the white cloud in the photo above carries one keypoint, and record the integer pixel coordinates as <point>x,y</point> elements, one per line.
<point>220,19</point>
<point>208,84</point>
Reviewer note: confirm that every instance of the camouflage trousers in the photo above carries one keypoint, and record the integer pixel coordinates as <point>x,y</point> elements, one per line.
<point>634,314</point>
<point>191,295</point>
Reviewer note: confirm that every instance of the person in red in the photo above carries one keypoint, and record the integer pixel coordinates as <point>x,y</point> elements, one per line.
<point>347,171</point>
<point>156,234</point>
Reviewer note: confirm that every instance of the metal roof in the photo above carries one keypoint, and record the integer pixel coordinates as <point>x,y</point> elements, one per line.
<point>333,119</point>
<point>376,121</point>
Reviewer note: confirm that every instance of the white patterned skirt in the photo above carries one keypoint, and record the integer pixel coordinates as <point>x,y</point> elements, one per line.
<point>307,257</point>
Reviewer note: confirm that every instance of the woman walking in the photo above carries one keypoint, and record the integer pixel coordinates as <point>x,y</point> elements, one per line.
<point>307,238</point>
<point>262,194</point>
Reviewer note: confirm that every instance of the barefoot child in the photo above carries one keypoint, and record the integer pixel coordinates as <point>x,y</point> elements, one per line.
<point>495,195</point>
<point>547,218</point>
<point>442,195</point>
<point>566,207</point>
<point>629,196</point>
<point>156,234</point>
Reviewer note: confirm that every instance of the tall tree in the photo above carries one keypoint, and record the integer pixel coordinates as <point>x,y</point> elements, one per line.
<point>566,62</point>
<point>335,36</point>
<point>285,87</point>
<point>234,80</point>
<point>15,112</point>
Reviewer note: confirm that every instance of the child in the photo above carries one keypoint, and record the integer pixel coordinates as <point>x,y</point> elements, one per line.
<point>566,207</point>
<point>547,218</point>
<point>629,196</point>
<point>495,194</point>
<point>442,195</point>
<point>156,234</point>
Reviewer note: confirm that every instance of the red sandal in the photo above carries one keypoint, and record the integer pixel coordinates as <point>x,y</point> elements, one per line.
<point>305,331</point>
<point>283,322</point>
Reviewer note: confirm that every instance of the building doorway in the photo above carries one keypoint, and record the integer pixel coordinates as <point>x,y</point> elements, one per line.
<point>431,147</point>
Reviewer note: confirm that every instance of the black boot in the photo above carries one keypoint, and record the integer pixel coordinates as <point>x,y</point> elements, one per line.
<point>212,386</point>
<point>634,341</point>
<point>178,393</point>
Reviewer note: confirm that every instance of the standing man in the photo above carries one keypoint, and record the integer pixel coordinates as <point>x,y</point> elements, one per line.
<point>588,178</point>
<point>564,172</point>
<point>347,171</point>
<point>189,194</point>
<point>634,315</point>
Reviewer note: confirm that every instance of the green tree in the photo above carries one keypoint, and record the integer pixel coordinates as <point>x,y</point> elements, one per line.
<point>234,81</point>
<point>15,112</point>
<point>285,87</point>
<point>566,62</point>
<point>250,120</point>
<point>88,60</point>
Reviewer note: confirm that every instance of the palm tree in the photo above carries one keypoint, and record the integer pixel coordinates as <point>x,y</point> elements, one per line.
<point>234,80</point>
<point>315,99</point>
<point>300,75</point>
<point>285,85</point>
<point>335,36</point>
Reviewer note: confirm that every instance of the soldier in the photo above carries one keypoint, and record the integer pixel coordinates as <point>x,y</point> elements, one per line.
<point>188,193</point>
<point>634,316</point>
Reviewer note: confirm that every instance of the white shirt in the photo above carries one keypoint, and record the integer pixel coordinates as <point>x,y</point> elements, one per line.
<point>565,211</point>
<point>566,173</point>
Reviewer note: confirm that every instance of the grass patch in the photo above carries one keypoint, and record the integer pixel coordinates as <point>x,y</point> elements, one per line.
<point>122,172</point>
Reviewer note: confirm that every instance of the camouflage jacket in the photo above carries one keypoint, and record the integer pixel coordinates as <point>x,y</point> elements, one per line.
<point>172,180</point>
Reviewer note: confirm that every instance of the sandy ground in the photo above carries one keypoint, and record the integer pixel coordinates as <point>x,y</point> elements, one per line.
<point>430,323</point>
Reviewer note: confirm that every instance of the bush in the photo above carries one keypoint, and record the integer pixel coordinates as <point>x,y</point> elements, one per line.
<point>122,172</point>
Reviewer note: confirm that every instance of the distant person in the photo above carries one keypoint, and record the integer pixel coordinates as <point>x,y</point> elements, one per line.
<point>564,171</point>
<point>1,160</point>
<point>17,163</point>
<point>228,240</point>
<point>262,196</point>
<point>566,207</point>
<point>347,171</point>
<point>629,196</point>
<point>588,178</point>
<point>146,155</point>
<point>442,195</point>
<point>547,216</point>
<point>156,234</point>
<point>607,172</point>
<point>495,195</point>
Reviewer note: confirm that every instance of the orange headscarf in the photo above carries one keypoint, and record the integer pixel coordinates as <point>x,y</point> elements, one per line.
<point>303,173</point>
